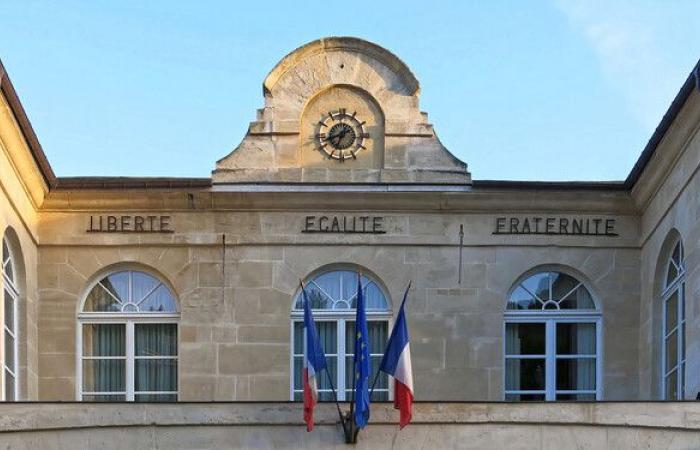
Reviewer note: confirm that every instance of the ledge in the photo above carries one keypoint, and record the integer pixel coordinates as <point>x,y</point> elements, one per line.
<point>17,417</point>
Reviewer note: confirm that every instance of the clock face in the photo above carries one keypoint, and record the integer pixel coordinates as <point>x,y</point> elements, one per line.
<point>341,135</point>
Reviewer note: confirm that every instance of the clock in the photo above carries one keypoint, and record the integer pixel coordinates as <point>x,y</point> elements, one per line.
<point>341,135</point>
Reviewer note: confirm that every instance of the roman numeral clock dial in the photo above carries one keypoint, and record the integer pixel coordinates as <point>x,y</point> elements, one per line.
<point>341,135</point>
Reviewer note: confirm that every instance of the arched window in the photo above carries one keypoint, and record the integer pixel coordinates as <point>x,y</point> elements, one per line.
<point>128,341</point>
<point>333,294</point>
<point>10,299</point>
<point>552,340</point>
<point>673,348</point>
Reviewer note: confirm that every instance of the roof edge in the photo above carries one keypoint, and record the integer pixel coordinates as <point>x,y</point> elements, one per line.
<point>691,83</point>
<point>550,185</point>
<point>68,183</point>
<point>26,128</point>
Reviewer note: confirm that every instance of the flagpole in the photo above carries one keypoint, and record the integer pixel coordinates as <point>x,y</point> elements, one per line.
<point>376,377</point>
<point>340,413</point>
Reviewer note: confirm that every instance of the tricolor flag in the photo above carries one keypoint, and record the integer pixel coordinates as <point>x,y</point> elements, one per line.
<point>314,363</point>
<point>397,363</point>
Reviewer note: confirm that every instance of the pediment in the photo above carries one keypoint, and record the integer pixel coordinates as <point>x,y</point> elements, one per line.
<point>341,110</point>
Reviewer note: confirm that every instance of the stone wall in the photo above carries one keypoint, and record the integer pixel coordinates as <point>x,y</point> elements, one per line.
<point>18,221</point>
<point>279,425</point>
<point>671,211</point>
<point>235,323</point>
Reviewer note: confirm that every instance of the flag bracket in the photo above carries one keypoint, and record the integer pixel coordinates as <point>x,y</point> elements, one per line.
<point>350,431</point>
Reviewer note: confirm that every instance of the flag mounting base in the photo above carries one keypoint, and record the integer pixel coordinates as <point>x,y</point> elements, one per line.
<point>350,430</point>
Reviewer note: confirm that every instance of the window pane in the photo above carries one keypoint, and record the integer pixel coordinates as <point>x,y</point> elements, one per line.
<point>524,397</point>
<point>349,282</point>
<point>671,274</point>
<point>118,284</point>
<point>380,396</point>
<point>322,377</point>
<point>677,255</point>
<point>672,386</point>
<point>298,367</point>
<point>349,378</point>
<point>160,300</point>
<point>382,380</point>
<point>329,284</point>
<point>672,350</point>
<point>682,301</point>
<point>156,374</point>
<point>328,336</point>
<point>9,351</point>
<point>9,387</point>
<point>525,374</point>
<point>375,298</point>
<point>579,299</point>
<point>538,285</point>
<point>156,339</point>
<point>9,311</point>
<point>377,336</point>
<point>326,396</point>
<point>317,298</point>
<point>576,374</point>
<point>672,312</point>
<point>7,261</point>
<point>577,397</point>
<point>350,337</point>
<point>562,284</point>
<point>104,375</point>
<point>576,339</point>
<point>299,338</point>
<point>155,397</point>
<point>141,285</point>
<point>681,374</point>
<point>522,299</point>
<point>525,338</point>
<point>99,300</point>
<point>104,398</point>
<point>681,341</point>
<point>104,340</point>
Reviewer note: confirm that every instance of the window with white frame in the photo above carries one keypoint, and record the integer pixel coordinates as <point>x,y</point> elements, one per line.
<point>673,346</point>
<point>10,299</point>
<point>333,296</point>
<point>552,340</point>
<point>128,340</point>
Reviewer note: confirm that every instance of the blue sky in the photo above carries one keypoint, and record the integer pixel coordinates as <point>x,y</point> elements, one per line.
<point>537,90</point>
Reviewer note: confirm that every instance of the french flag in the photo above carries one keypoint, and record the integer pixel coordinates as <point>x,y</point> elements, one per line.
<point>397,363</point>
<point>314,363</point>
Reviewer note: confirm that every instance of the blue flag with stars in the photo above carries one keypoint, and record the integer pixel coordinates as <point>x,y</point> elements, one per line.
<point>361,360</point>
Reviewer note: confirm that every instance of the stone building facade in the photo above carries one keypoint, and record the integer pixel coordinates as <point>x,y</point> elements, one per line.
<point>520,290</point>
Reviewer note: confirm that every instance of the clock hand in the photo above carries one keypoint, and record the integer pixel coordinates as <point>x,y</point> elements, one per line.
<point>341,135</point>
<point>331,136</point>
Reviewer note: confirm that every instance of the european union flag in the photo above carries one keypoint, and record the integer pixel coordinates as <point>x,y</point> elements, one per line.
<point>361,360</point>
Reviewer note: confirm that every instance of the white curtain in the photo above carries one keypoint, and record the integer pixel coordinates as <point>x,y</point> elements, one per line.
<point>155,374</point>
